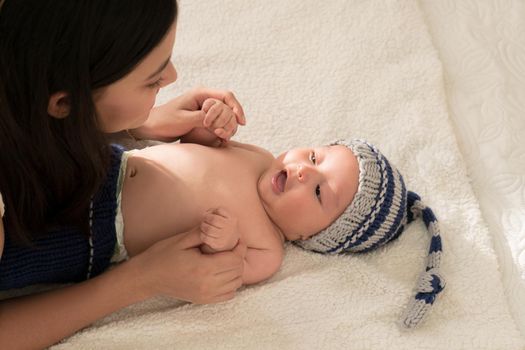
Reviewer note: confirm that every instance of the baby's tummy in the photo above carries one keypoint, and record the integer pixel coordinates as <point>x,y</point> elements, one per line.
<point>156,203</point>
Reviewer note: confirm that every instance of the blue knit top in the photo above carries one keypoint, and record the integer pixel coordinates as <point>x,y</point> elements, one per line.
<point>64,255</point>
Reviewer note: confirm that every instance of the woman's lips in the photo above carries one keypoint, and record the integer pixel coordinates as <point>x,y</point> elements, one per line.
<point>279,182</point>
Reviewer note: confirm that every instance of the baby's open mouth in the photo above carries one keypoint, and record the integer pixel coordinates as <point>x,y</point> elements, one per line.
<point>279,181</point>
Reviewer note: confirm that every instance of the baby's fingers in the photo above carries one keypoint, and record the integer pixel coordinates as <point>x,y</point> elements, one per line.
<point>208,231</point>
<point>218,218</point>
<point>228,130</point>
<point>224,120</point>
<point>211,236</point>
<point>213,113</point>
<point>206,105</point>
<point>220,212</point>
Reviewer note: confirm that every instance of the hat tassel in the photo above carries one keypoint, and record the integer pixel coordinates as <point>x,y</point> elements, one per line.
<point>430,282</point>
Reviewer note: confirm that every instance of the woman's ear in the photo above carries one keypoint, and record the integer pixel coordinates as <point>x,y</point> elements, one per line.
<point>59,106</point>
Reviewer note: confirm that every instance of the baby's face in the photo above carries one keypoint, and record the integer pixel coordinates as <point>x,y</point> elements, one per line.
<point>306,189</point>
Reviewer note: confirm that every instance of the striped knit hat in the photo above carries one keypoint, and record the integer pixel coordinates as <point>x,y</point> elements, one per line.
<point>378,214</point>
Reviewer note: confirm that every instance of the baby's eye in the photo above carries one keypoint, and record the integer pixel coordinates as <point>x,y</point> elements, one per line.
<point>313,158</point>
<point>318,192</point>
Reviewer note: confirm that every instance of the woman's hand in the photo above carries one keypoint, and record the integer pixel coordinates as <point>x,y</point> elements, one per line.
<point>183,113</point>
<point>175,267</point>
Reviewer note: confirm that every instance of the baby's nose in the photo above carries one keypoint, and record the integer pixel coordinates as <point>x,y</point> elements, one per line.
<point>303,173</point>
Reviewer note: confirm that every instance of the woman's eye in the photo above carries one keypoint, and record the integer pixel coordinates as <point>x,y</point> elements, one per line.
<point>318,192</point>
<point>155,84</point>
<point>313,157</point>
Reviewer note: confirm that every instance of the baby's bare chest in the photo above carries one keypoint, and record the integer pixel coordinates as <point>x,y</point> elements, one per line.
<point>174,187</point>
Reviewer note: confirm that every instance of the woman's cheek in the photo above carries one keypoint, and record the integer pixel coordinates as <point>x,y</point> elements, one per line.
<point>140,104</point>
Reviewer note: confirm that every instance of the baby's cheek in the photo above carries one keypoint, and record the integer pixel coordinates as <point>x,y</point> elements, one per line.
<point>297,207</point>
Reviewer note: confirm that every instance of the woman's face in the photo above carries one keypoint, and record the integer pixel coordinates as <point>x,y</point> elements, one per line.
<point>126,103</point>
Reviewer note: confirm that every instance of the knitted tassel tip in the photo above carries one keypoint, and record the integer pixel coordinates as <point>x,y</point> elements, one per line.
<point>429,285</point>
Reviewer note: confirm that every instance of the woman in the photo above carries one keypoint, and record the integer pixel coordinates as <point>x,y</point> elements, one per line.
<point>71,73</point>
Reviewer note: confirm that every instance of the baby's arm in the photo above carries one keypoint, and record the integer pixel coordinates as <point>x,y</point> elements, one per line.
<point>219,232</point>
<point>261,264</point>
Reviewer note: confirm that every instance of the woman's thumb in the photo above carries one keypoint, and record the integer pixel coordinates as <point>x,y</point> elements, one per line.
<point>190,239</point>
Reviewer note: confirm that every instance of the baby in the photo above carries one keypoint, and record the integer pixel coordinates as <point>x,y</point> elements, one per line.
<point>339,198</point>
<point>244,193</point>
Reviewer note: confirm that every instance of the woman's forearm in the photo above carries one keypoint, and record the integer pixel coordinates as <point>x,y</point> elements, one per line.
<point>173,267</point>
<point>38,321</point>
<point>167,123</point>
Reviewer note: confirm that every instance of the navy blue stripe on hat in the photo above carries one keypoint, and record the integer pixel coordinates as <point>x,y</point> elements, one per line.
<point>396,228</point>
<point>386,208</point>
<point>411,198</point>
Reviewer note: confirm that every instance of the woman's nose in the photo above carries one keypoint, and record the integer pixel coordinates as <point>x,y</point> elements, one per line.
<point>171,73</point>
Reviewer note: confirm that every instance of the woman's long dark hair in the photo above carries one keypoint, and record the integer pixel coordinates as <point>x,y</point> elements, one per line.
<point>49,167</point>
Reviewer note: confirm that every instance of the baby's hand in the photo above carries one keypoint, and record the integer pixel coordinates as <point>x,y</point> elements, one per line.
<point>220,118</point>
<point>219,231</point>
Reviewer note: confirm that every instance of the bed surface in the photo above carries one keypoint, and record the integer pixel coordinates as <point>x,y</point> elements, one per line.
<point>482,47</point>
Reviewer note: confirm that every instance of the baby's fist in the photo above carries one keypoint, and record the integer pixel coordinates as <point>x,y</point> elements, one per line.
<point>219,230</point>
<point>220,118</point>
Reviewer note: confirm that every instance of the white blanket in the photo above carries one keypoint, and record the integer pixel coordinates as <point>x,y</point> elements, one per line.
<point>308,72</point>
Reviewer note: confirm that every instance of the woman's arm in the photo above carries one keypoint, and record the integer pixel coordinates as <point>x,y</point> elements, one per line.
<point>172,267</point>
<point>202,136</point>
<point>180,115</point>
<point>38,321</point>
